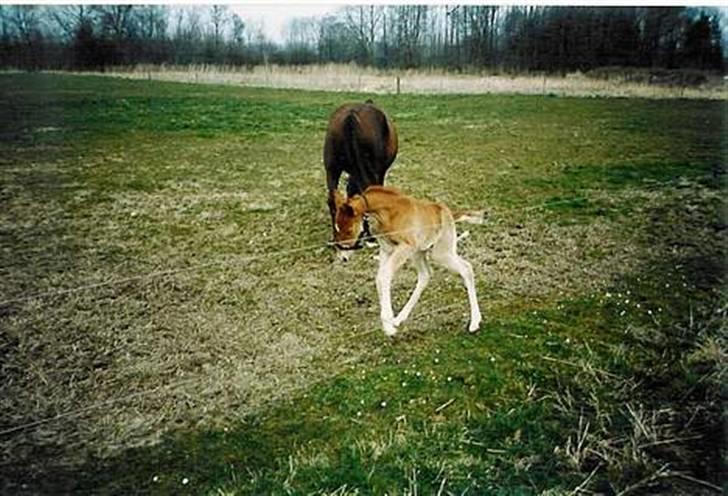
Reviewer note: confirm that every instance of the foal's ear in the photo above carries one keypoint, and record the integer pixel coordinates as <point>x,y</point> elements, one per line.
<point>357,204</point>
<point>339,199</point>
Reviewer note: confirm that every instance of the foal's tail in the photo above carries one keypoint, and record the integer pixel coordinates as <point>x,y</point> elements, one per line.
<point>470,216</point>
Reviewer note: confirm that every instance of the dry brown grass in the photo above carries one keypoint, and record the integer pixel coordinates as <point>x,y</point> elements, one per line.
<point>350,77</point>
<point>200,348</point>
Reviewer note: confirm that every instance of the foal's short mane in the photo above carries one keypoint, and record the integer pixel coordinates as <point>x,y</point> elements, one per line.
<point>389,190</point>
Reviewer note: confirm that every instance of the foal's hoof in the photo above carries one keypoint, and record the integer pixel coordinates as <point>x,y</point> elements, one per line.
<point>474,325</point>
<point>389,328</point>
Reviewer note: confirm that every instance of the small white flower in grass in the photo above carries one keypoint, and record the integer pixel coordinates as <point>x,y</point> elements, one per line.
<point>568,340</point>
<point>419,374</point>
<point>358,414</point>
<point>155,478</point>
<point>492,359</point>
<point>621,314</point>
<point>449,379</point>
<point>185,481</point>
<point>649,312</point>
<point>404,384</point>
<point>383,404</point>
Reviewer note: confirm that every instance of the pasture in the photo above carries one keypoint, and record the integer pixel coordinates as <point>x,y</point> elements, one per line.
<point>171,320</point>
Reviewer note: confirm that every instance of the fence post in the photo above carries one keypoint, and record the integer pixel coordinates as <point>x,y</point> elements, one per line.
<point>398,85</point>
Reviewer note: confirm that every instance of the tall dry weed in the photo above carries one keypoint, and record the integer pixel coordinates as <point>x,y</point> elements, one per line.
<point>351,77</point>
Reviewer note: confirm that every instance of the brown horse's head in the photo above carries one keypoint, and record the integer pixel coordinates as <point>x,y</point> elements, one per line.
<point>349,220</point>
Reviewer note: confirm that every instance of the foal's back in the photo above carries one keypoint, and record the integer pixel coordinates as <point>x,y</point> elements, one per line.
<point>404,219</point>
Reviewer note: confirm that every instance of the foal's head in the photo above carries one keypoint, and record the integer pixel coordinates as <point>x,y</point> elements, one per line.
<point>349,220</point>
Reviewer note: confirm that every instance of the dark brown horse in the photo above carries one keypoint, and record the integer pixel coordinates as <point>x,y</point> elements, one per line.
<point>361,141</point>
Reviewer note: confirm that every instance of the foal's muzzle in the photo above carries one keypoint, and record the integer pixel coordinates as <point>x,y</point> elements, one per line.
<point>356,245</point>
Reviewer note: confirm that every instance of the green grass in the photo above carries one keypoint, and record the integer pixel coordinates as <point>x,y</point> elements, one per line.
<point>600,272</point>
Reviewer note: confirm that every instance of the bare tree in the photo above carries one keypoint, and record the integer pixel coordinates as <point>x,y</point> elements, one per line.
<point>543,38</point>
<point>238,30</point>
<point>117,20</point>
<point>69,18</point>
<point>482,29</point>
<point>25,21</point>
<point>153,21</point>
<point>219,19</point>
<point>363,23</point>
<point>411,22</point>
<point>188,28</point>
<point>334,42</point>
<point>4,23</point>
<point>302,31</point>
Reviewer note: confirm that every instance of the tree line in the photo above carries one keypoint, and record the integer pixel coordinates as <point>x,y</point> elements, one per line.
<point>466,37</point>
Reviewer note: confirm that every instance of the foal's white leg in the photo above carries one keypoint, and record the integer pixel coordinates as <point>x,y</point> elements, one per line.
<point>423,277</point>
<point>450,259</point>
<point>388,265</point>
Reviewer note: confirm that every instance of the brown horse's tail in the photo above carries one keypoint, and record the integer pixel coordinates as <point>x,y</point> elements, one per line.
<point>352,129</point>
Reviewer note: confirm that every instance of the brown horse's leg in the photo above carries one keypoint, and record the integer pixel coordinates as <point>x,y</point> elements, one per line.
<point>333,173</point>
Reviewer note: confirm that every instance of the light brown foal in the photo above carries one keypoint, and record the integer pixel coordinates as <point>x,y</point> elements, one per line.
<point>406,228</point>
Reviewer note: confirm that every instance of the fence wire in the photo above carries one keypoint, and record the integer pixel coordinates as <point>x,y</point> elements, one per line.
<point>161,273</point>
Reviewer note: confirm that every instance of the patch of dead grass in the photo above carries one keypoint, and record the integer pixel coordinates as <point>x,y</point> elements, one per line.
<point>199,349</point>
<point>337,77</point>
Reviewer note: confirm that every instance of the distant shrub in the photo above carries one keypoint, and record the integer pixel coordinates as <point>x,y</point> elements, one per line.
<point>662,77</point>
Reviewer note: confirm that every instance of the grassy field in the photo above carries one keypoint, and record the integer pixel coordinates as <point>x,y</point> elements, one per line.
<point>172,322</point>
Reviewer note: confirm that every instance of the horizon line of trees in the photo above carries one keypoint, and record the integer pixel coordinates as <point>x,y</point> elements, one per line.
<point>509,38</point>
